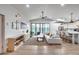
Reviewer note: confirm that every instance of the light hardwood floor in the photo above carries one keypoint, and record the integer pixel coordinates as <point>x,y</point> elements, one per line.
<point>32,48</point>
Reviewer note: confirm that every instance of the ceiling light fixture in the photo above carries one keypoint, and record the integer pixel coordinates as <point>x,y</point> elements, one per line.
<point>62,5</point>
<point>27,5</point>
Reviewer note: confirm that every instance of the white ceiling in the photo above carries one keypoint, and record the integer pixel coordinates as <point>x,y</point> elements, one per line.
<point>53,11</point>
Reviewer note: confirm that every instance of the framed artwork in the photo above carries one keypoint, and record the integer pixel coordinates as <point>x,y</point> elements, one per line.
<point>15,25</point>
<point>23,25</point>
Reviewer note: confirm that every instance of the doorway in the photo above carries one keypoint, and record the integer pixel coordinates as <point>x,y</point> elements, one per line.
<point>2,33</point>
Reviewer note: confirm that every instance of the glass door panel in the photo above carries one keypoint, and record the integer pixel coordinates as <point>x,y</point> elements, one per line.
<point>37,28</point>
<point>45,28</point>
<point>40,27</point>
<point>33,29</point>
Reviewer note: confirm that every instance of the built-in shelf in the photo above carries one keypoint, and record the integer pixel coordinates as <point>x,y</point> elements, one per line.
<point>14,42</point>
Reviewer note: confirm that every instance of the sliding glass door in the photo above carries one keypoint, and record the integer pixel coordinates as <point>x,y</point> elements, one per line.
<point>33,29</point>
<point>45,28</point>
<point>39,27</point>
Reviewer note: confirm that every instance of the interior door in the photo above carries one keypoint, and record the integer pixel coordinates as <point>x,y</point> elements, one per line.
<point>2,32</point>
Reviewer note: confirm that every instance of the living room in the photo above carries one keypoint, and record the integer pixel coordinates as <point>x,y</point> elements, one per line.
<point>47,28</point>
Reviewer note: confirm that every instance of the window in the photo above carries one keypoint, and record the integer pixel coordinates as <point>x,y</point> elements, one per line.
<point>39,27</point>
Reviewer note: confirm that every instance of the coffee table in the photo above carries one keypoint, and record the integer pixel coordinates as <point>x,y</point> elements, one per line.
<point>40,38</point>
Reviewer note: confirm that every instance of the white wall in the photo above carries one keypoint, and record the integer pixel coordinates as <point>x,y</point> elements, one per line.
<point>54,27</point>
<point>10,13</point>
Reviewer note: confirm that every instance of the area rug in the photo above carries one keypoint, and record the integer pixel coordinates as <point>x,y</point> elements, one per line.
<point>33,41</point>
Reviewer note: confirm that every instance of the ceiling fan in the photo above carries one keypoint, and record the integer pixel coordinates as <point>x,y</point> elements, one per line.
<point>71,20</point>
<point>42,12</point>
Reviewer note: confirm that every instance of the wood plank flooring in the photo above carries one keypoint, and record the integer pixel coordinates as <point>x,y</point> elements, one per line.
<point>32,47</point>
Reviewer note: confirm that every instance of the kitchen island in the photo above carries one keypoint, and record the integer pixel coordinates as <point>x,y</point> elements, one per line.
<point>75,36</point>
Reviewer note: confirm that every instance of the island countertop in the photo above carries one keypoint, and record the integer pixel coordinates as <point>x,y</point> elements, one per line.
<point>73,32</point>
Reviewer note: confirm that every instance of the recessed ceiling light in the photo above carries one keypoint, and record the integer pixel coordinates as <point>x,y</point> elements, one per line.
<point>62,5</point>
<point>27,5</point>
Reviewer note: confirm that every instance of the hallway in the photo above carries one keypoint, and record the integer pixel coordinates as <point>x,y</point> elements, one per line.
<point>42,48</point>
